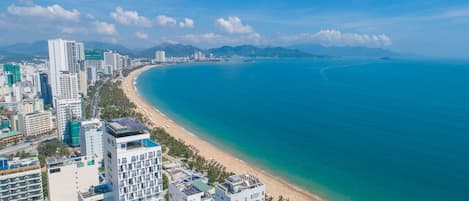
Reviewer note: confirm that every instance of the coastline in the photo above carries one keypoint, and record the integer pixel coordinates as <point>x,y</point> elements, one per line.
<point>275,185</point>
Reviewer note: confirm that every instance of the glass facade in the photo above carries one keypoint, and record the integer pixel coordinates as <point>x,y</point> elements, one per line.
<point>74,133</point>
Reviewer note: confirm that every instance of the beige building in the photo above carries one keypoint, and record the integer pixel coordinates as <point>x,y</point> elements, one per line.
<point>37,123</point>
<point>69,176</point>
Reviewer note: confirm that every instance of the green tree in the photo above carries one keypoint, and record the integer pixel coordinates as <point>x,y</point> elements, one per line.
<point>165,182</point>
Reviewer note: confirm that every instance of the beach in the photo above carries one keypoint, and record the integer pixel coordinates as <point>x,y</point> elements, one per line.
<point>275,186</point>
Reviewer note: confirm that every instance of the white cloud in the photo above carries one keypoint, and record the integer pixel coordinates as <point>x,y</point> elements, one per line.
<point>189,23</point>
<point>73,30</point>
<point>105,28</point>
<point>130,18</point>
<point>52,12</point>
<point>234,25</point>
<point>206,38</point>
<point>331,37</point>
<point>141,35</point>
<point>336,38</point>
<point>165,20</point>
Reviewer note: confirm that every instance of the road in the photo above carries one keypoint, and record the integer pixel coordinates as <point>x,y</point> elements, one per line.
<point>95,100</point>
<point>26,146</point>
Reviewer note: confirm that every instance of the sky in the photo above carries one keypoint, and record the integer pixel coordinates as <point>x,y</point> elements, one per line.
<point>431,28</point>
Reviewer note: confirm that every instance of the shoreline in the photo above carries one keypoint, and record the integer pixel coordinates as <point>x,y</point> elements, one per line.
<point>275,186</point>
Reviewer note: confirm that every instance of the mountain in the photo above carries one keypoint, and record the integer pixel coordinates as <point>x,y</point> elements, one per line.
<point>253,51</point>
<point>109,46</point>
<point>345,51</point>
<point>171,50</point>
<point>38,48</point>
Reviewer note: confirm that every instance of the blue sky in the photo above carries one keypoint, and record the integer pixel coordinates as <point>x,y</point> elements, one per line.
<point>433,28</point>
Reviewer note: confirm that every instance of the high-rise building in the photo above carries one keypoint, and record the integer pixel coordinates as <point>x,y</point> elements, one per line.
<point>13,73</point>
<point>20,179</point>
<point>36,123</point>
<point>46,93</point>
<point>91,74</point>
<point>240,187</point>
<point>91,138</point>
<point>68,176</point>
<point>160,56</point>
<point>64,55</point>
<point>67,109</point>
<point>69,88</point>
<point>132,161</point>
<point>83,83</point>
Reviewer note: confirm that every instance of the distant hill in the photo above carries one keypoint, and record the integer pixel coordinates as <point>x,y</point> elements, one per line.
<point>345,51</point>
<point>39,49</point>
<point>109,46</point>
<point>253,51</point>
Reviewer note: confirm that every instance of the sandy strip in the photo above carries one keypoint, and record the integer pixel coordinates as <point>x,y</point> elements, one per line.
<point>275,186</point>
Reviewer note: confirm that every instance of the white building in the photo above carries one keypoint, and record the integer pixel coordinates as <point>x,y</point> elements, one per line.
<point>91,74</point>
<point>115,61</point>
<point>243,187</point>
<point>69,88</point>
<point>67,109</point>
<point>160,56</point>
<point>64,55</point>
<point>132,161</point>
<point>20,180</point>
<point>91,138</point>
<point>36,123</point>
<point>30,105</point>
<point>188,190</point>
<point>68,176</point>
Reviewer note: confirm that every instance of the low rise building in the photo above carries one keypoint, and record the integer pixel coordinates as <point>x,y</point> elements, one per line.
<point>8,137</point>
<point>36,123</point>
<point>240,187</point>
<point>69,176</point>
<point>189,190</point>
<point>20,179</point>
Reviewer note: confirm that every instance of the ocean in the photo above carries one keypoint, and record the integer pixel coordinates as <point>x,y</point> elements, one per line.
<point>346,129</point>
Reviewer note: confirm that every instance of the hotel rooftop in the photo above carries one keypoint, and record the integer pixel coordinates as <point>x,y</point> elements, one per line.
<point>124,127</point>
<point>238,183</point>
<point>20,165</point>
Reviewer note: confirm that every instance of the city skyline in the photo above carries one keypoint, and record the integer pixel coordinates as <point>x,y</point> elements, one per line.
<point>408,27</point>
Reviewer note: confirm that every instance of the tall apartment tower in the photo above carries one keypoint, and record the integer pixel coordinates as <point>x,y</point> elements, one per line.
<point>64,55</point>
<point>160,56</point>
<point>46,93</point>
<point>132,161</point>
<point>67,109</point>
<point>91,138</point>
<point>69,88</point>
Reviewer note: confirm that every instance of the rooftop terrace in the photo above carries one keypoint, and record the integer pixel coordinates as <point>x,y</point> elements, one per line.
<point>123,127</point>
<point>20,165</point>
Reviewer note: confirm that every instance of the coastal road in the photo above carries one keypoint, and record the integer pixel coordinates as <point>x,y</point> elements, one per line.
<point>95,100</point>
<point>11,149</point>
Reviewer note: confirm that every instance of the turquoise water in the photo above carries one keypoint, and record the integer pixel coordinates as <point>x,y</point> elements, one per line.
<point>361,130</point>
